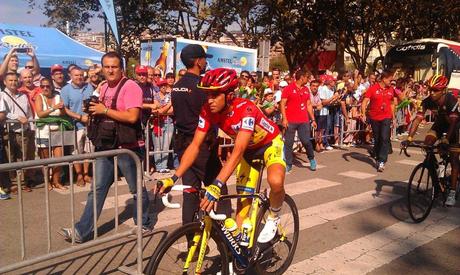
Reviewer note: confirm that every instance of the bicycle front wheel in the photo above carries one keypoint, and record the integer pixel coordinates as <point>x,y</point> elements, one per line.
<point>277,255</point>
<point>420,193</point>
<point>172,255</point>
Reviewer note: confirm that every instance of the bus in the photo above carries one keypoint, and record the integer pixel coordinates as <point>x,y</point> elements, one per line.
<point>424,57</point>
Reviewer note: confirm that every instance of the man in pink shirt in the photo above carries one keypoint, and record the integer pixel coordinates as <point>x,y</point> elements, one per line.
<point>128,106</point>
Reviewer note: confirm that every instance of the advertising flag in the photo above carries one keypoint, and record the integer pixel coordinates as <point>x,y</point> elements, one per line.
<point>109,10</point>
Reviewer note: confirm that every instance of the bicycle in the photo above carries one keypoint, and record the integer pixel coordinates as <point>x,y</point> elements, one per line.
<point>177,253</point>
<point>428,180</point>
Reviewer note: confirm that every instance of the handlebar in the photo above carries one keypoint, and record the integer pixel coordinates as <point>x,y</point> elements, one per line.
<point>417,145</point>
<point>166,202</point>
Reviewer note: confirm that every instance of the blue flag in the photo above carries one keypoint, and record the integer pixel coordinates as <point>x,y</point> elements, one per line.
<point>109,10</point>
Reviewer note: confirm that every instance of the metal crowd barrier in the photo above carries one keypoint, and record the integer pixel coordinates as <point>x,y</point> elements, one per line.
<point>55,137</point>
<point>150,137</point>
<point>70,161</point>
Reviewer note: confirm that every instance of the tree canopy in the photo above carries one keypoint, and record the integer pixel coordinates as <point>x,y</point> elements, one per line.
<point>303,27</point>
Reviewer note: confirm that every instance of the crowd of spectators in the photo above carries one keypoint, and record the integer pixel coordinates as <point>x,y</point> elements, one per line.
<point>40,106</point>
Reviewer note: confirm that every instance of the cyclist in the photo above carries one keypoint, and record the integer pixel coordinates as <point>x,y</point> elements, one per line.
<point>446,121</point>
<point>255,136</point>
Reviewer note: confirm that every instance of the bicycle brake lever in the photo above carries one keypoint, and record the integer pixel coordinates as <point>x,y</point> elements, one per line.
<point>218,217</point>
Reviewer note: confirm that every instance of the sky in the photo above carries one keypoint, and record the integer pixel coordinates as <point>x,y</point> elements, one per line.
<point>15,12</point>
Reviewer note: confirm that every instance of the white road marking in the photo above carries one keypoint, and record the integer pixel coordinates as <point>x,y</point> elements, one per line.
<point>374,250</point>
<point>357,174</point>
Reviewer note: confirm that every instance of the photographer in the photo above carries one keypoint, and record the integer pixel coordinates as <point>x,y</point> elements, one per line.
<point>120,106</point>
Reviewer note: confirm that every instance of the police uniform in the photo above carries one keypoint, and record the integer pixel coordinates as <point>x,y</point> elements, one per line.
<point>187,101</point>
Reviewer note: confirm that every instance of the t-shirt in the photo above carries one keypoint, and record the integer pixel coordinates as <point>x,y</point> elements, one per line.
<point>130,96</point>
<point>187,101</point>
<point>244,116</point>
<point>296,104</point>
<point>73,97</point>
<point>325,93</point>
<point>31,94</point>
<point>380,101</point>
<point>450,105</point>
<point>147,97</point>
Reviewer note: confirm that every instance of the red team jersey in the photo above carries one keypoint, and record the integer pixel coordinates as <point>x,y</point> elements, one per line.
<point>245,116</point>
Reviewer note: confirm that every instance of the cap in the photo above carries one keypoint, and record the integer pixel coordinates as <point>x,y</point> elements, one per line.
<point>141,69</point>
<point>162,82</point>
<point>268,91</point>
<point>193,51</point>
<point>56,67</point>
<point>283,84</point>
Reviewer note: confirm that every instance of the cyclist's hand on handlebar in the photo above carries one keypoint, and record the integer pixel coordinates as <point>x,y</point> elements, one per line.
<point>211,196</point>
<point>164,185</point>
<point>405,143</point>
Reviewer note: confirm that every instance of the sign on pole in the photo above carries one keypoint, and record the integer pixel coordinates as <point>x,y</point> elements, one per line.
<point>109,10</point>
<point>264,56</point>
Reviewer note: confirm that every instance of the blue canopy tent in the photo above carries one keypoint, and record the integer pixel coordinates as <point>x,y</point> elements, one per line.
<point>51,46</point>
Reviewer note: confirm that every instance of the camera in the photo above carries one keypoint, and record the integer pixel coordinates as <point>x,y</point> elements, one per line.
<point>86,102</point>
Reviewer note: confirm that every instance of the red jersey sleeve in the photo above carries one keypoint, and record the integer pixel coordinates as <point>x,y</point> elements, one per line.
<point>248,118</point>
<point>370,92</point>
<point>204,120</point>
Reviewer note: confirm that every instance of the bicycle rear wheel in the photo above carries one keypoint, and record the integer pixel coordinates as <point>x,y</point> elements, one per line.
<point>277,255</point>
<point>171,256</point>
<point>420,193</point>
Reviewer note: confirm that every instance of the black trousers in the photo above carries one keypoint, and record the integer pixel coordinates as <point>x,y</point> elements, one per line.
<point>381,130</point>
<point>303,132</point>
<point>205,169</point>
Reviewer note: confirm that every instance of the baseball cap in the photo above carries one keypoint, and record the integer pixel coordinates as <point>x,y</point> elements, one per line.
<point>162,82</point>
<point>56,67</point>
<point>268,91</point>
<point>283,84</point>
<point>141,69</point>
<point>193,51</point>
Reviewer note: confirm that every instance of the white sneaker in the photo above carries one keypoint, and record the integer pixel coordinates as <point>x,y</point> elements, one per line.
<point>451,198</point>
<point>269,231</point>
<point>329,148</point>
<point>381,167</point>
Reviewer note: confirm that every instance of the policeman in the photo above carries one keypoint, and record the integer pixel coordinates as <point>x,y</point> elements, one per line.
<point>187,101</point>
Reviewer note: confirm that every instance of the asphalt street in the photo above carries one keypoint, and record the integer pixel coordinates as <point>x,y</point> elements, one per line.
<point>353,220</point>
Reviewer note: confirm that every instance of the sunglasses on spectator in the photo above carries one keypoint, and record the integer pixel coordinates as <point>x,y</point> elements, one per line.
<point>245,75</point>
<point>142,74</point>
<point>156,74</point>
<point>45,86</point>
<point>29,67</point>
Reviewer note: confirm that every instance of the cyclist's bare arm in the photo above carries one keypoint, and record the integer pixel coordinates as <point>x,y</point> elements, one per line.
<point>415,123</point>
<point>191,153</point>
<point>241,143</point>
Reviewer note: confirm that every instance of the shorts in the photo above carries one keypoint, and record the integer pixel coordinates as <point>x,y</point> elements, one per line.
<point>248,170</point>
<point>83,145</point>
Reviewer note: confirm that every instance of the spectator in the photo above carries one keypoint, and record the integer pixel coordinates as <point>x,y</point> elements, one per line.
<point>349,114</point>
<point>147,93</point>
<point>156,76</point>
<point>10,65</point>
<point>69,69</point>
<point>277,95</point>
<point>49,108</point>
<point>28,87</point>
<point>34,67</point>
<point>379,97</point>
<point>326,93</point>
<point>269,107</point>
<point>317,106</point>
<point>163,126</point>
<point>72,96</point>
<point>128,111</point>
<point>57,74</point>
<point>18,108</point>
<point>187,101</point>
<point>181,74</point>
<point>5,183</point>
<point>255,77</point>
<point>94,77</point>
<point>170,80</point>
<point>297,110</point>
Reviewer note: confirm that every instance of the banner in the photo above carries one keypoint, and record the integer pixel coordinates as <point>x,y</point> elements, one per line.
<point>109,10</point>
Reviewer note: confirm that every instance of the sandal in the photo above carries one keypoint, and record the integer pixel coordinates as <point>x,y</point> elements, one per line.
<point>87,178</point>
<point>81,182</point>
<point>60,186</point>
<point>26,188</point>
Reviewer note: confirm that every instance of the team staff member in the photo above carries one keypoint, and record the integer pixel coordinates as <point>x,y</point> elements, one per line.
<point>187,101</point>
<point>380,98</point>
<point>297,111</point>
